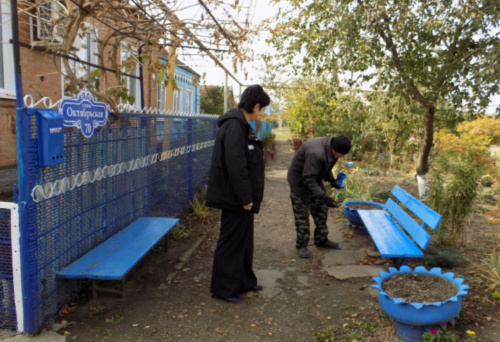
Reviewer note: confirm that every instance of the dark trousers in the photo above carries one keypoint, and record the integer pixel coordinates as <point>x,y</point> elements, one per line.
<point>232,268</point>
<point>319,212</point>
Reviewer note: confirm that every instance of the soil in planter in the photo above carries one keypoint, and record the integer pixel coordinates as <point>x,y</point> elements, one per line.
<point>364,206</point>
<point>419,288</point>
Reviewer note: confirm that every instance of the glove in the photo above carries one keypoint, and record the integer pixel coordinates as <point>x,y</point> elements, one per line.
<point>334,184</point>
<point>330,203</point>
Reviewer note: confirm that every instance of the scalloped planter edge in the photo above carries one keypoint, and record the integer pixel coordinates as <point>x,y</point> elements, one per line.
<point>415,318</point>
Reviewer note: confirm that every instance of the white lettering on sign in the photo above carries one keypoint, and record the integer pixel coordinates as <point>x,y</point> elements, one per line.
<point>55,130</point>
<point>84,113</point>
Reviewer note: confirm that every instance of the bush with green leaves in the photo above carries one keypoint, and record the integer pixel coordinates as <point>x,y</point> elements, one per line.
<point>449,257</point>
<point>491,271</point>
<point>355,189</point>
<point>452,191</point>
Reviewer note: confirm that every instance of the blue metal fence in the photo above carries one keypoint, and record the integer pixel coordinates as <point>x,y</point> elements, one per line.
<point>7,305</point>
<point>140,165</point>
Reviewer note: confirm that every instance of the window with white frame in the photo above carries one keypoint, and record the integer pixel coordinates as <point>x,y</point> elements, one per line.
<point>86,52</point>
<point>189,101</point>
<point>47,27</point>
<point>130,65</point>
<point>7,82</point>
<point>176,103</point>
<point>161,97</point>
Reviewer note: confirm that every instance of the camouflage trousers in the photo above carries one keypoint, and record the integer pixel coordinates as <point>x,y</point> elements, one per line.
<point>319,212</point>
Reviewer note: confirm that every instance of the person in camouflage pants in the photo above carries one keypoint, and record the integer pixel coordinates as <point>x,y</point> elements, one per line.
<point>319,212</point>
<point>311,165</point>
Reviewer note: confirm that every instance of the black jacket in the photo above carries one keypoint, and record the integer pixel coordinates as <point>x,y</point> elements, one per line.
<point>312,164</point>
<point>236,175</point>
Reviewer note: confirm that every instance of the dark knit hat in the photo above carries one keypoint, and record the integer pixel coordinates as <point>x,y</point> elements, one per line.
<point>341,144</point>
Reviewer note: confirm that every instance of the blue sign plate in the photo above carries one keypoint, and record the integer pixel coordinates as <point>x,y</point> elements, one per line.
<point>84,113</point>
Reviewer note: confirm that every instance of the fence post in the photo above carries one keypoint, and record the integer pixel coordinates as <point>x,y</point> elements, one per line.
<point>23,173</point>
<point>190,158</point>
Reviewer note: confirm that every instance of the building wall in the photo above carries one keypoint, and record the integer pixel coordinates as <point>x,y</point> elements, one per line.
<point>41,77</point>
<point>8,155</point>
<point>185,79</point>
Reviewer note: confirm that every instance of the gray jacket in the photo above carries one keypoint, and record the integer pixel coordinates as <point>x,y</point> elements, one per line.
<point>311,165</point>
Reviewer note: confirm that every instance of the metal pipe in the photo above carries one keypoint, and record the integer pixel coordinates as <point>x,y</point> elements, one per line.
<point>17,57</point>
<point>141,78</point>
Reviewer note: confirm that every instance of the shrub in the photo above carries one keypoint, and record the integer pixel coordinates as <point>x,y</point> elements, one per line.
<point>491,271</point>
<point>449,257</point>
<point>453,188</point>
<point>355,189</point>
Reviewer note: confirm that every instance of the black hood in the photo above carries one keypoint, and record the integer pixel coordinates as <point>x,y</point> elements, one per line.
<point>233,114</point>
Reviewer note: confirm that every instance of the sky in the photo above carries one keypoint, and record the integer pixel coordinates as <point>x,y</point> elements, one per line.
<point>214,75</point>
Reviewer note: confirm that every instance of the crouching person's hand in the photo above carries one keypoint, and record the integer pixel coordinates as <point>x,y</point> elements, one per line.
<point>330,203</point>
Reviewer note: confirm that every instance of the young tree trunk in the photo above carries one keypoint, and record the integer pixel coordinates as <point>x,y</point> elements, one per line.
<point>424,152</point>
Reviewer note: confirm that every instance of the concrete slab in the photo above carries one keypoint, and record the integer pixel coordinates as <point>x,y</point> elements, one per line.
<point>343,257</point>
<point>353,271</point>
<point>269,279</point>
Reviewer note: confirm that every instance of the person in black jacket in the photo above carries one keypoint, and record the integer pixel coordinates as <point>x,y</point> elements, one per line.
<point>311,165</point>
<point>236,185</point>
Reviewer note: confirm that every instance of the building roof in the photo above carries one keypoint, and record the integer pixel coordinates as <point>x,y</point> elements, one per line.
<point>184,66</point>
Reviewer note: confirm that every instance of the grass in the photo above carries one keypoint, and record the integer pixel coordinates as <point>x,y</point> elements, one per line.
<point>282,134</point>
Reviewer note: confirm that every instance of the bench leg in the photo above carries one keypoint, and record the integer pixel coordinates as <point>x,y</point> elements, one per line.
<point>94,289</point>
<point>123,288</point>
<point>398,262</point>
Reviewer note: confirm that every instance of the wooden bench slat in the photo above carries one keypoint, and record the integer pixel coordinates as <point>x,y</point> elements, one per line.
<point>116,256</point>
<point>406,221</point>
<point>426,214</point>
<point>390,240</point>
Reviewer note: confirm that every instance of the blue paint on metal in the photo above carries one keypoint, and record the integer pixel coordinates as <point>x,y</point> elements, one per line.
<point>190,160</point>
<point>84,112</point>
<point>115,257</point>
<point>50,138</point>
<point>63,228</point>
<point>23,178</point>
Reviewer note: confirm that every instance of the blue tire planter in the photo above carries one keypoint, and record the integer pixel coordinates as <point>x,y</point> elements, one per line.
<point>352,215</point>
<point>413,319</point>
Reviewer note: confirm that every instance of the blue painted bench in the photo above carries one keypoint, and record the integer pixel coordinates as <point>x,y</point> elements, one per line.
<point>396,234</point>
<point>116,256</point>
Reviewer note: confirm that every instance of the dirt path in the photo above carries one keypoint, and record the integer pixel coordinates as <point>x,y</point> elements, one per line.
<point>168,295</point>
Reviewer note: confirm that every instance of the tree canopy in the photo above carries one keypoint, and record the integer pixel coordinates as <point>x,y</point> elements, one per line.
<point>425,50</point>
<point>212,99</point>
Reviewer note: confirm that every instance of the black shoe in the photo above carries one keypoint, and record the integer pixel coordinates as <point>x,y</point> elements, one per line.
<point>235,299</point>
<point>256,288</point>
<point>328,244</point>
<point>303,252</point>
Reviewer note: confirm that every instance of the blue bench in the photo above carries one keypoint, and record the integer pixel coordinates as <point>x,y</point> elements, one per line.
<point>396,234</point>
<point>116,256</point>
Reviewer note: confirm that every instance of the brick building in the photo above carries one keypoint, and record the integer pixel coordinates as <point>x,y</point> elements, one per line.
<point>42,72</point>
